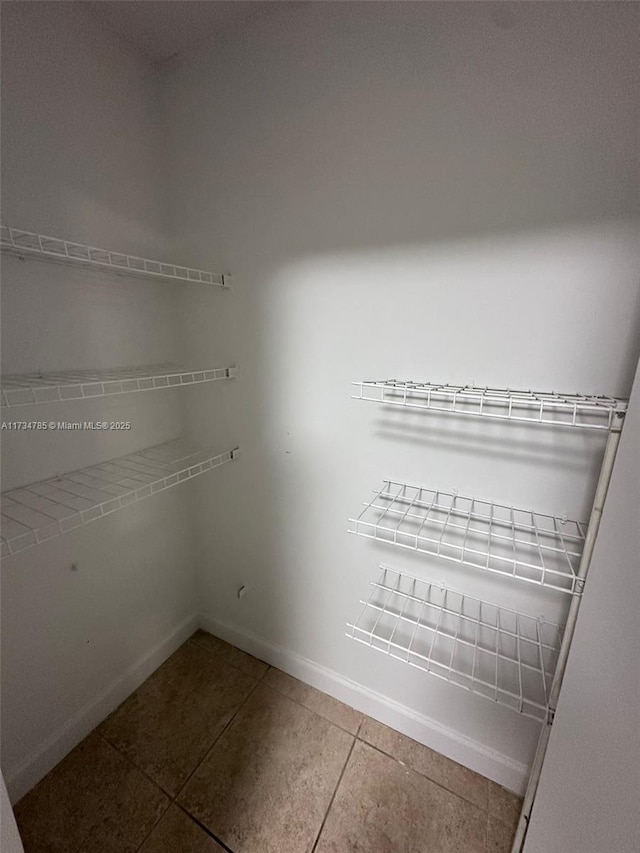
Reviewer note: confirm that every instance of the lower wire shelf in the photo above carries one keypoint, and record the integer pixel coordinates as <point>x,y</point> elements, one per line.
<point>32,514</point>
<point>498,653</point>
<point>527,546</point>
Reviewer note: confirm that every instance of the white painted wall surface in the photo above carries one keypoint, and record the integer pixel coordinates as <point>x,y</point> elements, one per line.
<point>440,191</point>
<point>81,160</point>
<point>428,191</point>
<point>9,838</point>
<point>588,796</point>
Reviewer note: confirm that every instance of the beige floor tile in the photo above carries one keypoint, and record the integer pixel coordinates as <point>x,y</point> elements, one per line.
<point>499,836</point>
<point>383,807</point>
<point>177,833</point>
<point>266,784</point>
<point>230,654</point>
<point>94,800</point>
<point>504,805</point>
<point>451,775</point>
<point>170,722</point>
<point>333,710</point>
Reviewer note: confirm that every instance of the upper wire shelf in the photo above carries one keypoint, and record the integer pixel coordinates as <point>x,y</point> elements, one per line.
<point>568,410</point>
<point>522,544</point>
<point>27,389</point>
<point>498,653</point>
<point>35,513</point>
<point>29,244</point>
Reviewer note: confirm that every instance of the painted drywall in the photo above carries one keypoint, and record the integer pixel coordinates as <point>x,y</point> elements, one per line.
<point>426,190</point>
<point>595,741</point>
<point>440,192</point>
<point>9,838</point>
<point>81,160</point>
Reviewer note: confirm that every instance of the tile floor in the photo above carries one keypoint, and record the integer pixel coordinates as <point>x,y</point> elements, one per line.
<point>218,751</point>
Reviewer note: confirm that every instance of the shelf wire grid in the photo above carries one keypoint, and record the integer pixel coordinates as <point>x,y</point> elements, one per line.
<point>501,654</point>
<point>568,410</point>
<point>522,544</point>
<point>38,512</point>
<point>28,389</point>
<point>29,244</point>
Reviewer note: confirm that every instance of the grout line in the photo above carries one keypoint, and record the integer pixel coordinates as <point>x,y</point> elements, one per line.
<point>282,692</point>
<point>173,800</point>
<point>153,782</point>
<point>263,677</point>
<point>311,710</point>
<point>148,835</point>
<point>130,761</point>
<point>203,827</point>
<point>360,725</point>
<point>429,778</point>
<point>261,680</point>
<point>231,719</point>
<point>221,657</point>
<point>486,835</point>
<point>333,796</point>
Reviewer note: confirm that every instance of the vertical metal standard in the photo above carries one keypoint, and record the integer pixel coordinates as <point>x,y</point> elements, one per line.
<point>585,561</point>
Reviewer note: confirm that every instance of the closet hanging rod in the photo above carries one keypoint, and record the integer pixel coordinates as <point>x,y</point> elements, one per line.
<point>27,389</point>
<point>536,407</point>
<point>28,244</point>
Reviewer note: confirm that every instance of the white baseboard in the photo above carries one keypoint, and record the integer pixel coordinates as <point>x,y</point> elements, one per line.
<point>476,756</point>
<point>472,754</point>
<point>24,776</point>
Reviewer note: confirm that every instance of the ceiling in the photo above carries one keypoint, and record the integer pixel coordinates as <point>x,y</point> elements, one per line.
<point>161,29</point>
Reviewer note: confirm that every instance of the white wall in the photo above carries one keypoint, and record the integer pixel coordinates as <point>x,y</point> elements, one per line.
<point>589,790</point>
<point>436,191</point>
<point>429,191</point>
<point>82,160</point>
<point>8,829</point>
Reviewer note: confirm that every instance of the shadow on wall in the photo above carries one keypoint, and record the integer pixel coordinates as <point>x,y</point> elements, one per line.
<point>553,311</point>
<point>426,191</point>
<point>556,310</point>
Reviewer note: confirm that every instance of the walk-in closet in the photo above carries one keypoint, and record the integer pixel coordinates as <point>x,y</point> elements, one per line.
<point>320,438</point>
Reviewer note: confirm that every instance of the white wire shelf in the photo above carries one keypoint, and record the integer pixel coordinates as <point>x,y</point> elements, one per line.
<point>15,241</point>
<point>529,546</point>
<point>33,514</point>
<point>568,410</point>
<point>27,389</point>
<point>501,654</point>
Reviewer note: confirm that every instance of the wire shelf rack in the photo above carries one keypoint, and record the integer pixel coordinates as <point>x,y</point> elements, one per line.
<point>33,514</point>
<point>501,654</point>
<point>27,389</point>
<point>29,244</point>
<point>529,546</point>
<point>568,410</point>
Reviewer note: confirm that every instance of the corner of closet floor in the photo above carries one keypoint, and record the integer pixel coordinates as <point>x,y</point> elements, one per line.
<point>494,765</point>
<point>21,778</point>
